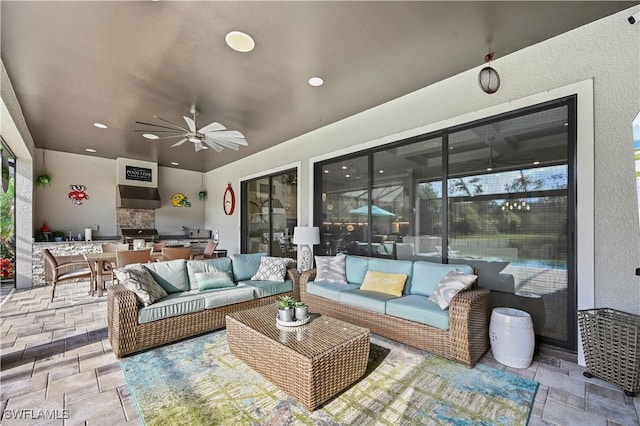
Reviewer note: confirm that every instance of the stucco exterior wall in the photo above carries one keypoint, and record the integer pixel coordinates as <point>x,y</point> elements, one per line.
<point>606,52</point>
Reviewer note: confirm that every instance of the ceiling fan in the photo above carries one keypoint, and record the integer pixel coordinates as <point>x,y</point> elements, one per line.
<point>214,134</point>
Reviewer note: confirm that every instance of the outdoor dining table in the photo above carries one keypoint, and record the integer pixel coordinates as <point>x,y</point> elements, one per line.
<point>101,259</point>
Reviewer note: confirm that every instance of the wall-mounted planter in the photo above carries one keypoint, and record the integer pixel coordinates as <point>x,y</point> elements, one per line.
<point>202,195</point>
<point>43,180</point>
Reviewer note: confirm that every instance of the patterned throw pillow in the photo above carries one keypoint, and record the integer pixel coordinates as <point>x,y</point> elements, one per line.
<point>450,285</point>
<point>384,282</point>
<point>214,279</point>
<point>331,269</point>
<point>138,279</point>
<point>272,269</point>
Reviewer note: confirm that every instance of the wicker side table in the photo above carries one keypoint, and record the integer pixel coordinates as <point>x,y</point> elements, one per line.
<point>312,363</point>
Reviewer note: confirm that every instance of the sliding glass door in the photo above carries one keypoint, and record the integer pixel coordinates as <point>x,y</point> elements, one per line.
<point>497,194</point>
<point>269,214</point>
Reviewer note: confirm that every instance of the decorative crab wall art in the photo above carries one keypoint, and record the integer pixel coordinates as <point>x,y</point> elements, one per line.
<point>78,194</point>
<point>180,200</point>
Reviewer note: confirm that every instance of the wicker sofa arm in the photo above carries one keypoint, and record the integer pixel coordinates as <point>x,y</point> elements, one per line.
<point>122,317</point>
<point>305,277</point>
<point>469,325</point>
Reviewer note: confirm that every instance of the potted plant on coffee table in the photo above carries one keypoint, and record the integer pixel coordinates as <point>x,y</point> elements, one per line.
<point>285,308</point>
<point>302,311</point>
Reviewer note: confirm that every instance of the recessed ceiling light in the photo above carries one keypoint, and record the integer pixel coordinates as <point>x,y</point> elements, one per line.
<point>489,169</point>
<point>174,163</point>
<point>344,167</point>
<point>316,81</point>
<point>90,150</point>
<point>380,171</point>
<point>205,147</point>
<point>100,125</point>
<point>536,163</point>
<point>347,175</point>
<point>240,41</point>
<point>150,136</point>
<point>326,170</point>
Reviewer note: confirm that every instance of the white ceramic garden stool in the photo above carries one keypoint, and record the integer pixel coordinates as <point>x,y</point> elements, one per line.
<point>512,337</point>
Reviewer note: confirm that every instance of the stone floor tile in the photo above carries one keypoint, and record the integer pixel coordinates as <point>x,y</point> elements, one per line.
<point>606,392</point>
<point>89,347</point>
<point>93,360</point>
<point>66,333</point>
<point>17,371</point>
<point>95,408</point>
<point>613,410</point>
<point>112,380</point>
<point>560,381</point>
<point>44,350</point>
<point>537,421</point>
<point>34,339</point>
<point>14,388</point>
<point>33,409</point>
<point>524,372</point>
<point>567,398</point>
<point>561,414</point>
<point>595,380</point>
<point>82,381</point>
<point>57,366</point>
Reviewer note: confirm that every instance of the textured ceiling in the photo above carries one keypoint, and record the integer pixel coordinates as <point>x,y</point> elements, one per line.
<point>75,63</point>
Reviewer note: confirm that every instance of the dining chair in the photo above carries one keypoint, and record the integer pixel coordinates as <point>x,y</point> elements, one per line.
<point>159,246</point>
<point>209,251</point>
<point>113,247</point>
<point>171,253</point>
<point>66,270</point>
<point>129,257</point>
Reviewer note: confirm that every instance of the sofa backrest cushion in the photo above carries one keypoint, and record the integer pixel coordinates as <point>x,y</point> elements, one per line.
<point>245,265</point>
<point>393,266</point>
<point>170,274</point>
<point>427,275</point>
<point>211,280</point>
<point>209,265</point>
<point>356,268</point>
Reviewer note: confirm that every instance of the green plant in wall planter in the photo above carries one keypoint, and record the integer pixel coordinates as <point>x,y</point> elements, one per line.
<point>202,195</point>
<point>43,180</point>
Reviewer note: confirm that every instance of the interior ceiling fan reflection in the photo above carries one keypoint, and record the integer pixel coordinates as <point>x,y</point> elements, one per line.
<point>214,134</point>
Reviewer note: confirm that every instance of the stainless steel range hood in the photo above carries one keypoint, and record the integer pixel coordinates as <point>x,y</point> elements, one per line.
<point>138,197</point>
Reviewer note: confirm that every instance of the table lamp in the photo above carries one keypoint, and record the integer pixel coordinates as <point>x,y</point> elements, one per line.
<point>306,236</point>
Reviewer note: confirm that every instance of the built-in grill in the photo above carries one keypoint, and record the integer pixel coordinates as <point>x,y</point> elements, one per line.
<point>148,235</point>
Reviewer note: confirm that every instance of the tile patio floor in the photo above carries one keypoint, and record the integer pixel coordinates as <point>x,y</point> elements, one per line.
<point>56,356</point>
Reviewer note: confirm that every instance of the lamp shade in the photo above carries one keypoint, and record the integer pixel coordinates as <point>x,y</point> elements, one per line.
<point>306,235</point>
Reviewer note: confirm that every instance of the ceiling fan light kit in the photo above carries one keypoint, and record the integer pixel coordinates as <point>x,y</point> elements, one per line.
<point>215,135</point>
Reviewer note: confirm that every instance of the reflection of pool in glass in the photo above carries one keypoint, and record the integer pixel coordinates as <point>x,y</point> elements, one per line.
<point>540,264</point>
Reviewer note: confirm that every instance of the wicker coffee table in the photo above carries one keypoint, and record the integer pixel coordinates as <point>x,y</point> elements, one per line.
<point>312,363</point>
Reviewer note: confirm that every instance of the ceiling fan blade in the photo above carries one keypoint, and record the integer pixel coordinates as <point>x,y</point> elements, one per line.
<point>198,146</point>
<point>213,144</point>
<point>176,132</point>
<point>170,122</point>
<point>170,137</point>
<point>212,127</point>
<point>180,142</point>
<point>225,143</point>
<point>190,123</point>
<point>162,127</point>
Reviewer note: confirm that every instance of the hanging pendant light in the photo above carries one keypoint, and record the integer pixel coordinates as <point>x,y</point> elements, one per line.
<point>488,79</point>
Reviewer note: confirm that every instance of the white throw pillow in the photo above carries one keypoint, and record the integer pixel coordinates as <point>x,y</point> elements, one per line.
<point>332,269</point>
<point>450,285</point>
<point>272,269</point>
<point>138,279</point>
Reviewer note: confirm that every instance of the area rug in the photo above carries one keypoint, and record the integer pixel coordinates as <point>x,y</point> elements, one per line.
<point>199,382</point>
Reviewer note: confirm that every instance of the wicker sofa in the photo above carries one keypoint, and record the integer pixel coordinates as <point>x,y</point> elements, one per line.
<point>187,311</point>
<point>460,333</point>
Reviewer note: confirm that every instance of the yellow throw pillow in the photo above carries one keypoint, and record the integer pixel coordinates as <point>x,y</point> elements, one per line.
<point>384,282</point>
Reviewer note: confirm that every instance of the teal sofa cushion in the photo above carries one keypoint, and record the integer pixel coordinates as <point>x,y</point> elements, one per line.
<point>208,265</point>
<point>226,296</point>
<point>245,265</point>
<point>419,309</point>
<point>369,300</point>
<point>356,269</point>
<point>393,266</point>
<point>173,305</point>
<point>427,275</point>
<point>268,288</point>
<point>329,290</point>
<point>170,274</point>
<point>213,280</point>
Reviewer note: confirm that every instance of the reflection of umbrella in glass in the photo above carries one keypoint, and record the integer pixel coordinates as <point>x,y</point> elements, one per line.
<point>375,211</point>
